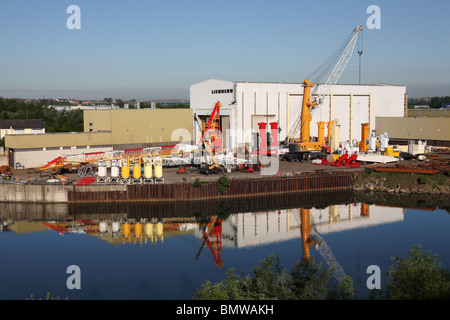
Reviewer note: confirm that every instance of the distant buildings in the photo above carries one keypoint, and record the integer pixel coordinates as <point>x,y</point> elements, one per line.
<point>85,107</point>
<point>21,126</point>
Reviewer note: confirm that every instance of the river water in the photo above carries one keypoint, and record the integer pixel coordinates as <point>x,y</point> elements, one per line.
<point>139,254</point>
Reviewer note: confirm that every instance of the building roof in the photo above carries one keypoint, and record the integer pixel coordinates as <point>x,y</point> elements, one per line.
<point>22,124</point>
<point>300,83</point>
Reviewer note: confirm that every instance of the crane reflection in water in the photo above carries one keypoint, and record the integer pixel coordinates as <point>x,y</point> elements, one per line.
<point>226,229</point>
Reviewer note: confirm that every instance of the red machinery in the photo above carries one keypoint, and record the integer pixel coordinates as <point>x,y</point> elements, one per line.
<point>274,143</point>
<point>346,161</point>
<point>213,123</point>
<point>262,139</point>
<point>182,170</point>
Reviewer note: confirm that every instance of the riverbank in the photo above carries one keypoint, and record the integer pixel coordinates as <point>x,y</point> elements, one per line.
<point>404,183</point>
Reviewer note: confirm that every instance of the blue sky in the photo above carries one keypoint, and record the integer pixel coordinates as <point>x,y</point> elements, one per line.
<point>157,49</point>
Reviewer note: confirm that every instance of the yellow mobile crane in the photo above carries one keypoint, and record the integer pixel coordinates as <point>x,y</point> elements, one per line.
<point>302,148</point>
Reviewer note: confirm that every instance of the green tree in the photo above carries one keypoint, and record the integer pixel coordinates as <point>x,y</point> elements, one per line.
<point>120,103</point>
<point>269,280</point>
<point>418,276</point>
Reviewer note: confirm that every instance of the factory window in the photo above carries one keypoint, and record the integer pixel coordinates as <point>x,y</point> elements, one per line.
<point>28,149</point>
<point>52,148</point>
<point>81,147</point>
<point>66,148</point>
<point>102,146</point>
<point>219,91</point>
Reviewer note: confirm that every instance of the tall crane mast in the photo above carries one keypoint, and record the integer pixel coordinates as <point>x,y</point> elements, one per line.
<point>300,146</point>
<point>341,64</point>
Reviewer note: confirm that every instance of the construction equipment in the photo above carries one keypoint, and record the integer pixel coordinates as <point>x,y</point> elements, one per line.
<point>341,161</point>
<point>352,161</point>
<point>302,148</point>
<point>182,170</point>
<point>249,168</point>
<point>213,123</point>
<point>364,144</point>
<point>205,167</point>
<point>84,160</point>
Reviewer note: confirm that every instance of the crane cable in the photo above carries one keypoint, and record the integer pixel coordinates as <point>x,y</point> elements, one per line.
<point>329,64</point>
<point>360,52</point>
<point>319,73</point>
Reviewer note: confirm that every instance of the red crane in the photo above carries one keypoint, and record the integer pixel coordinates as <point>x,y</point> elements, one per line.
<point>213,123</point>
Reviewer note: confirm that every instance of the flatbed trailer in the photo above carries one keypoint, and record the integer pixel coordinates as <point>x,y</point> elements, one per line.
<point>303,155</point>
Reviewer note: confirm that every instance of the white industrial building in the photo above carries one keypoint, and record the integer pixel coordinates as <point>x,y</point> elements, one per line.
<point>245,104</point>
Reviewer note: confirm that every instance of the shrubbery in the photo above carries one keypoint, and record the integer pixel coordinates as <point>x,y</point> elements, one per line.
<point>417,277</point>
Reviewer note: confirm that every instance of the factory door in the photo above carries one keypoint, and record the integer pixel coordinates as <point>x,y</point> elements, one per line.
<point>11,158</point>
<point>225,128</point>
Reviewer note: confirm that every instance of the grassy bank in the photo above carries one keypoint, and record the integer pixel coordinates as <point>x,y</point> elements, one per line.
<point>409,183</point>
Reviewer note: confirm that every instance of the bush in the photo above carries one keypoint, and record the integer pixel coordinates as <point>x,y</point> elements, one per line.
<point>198,183</point>
<point>269,281</point>
<point>418,277</point>
<point>422,180</point>
<point>224,183</point>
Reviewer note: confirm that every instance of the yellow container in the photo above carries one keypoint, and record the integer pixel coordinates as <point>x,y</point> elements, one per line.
<point>126,230</point>
<point>158,168</point>
<point>125,169</point>
<point>149,230</point>
<point>148,169</point>
<point>137,169</point>
<point>138,230</point>
<point>159,229</point>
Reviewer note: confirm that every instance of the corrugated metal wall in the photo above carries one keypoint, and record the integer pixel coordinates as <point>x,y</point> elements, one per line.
<point>239,188</point>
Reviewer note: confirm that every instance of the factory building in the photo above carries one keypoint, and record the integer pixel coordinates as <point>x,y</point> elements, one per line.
<point>104,130</point>
<point>434,131</point>
<point>246,104</point>
<point>141,128</point>
<point>21,126</point>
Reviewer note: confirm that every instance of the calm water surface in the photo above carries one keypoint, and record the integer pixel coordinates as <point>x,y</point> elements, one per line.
<point>169,257</point>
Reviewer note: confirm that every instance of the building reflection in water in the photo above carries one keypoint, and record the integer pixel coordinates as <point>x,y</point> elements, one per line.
<point>237,230</point>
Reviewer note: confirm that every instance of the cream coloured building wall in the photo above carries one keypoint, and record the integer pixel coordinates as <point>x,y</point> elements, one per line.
<point>138,126</point>
<point>112,129</point>
<point>411,128</point>
<point>37,149</point>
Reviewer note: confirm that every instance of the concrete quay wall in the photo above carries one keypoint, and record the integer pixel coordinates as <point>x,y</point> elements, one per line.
<point>48,193</point>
